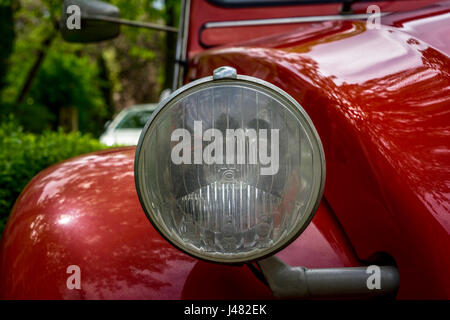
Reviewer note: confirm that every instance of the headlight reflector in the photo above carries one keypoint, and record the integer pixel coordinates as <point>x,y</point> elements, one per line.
<point>229,169</point>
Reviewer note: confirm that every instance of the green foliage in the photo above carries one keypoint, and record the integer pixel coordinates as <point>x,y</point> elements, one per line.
<point>105,77</point>
<point>23,155</point>
<point>36,118</point>
<point>97,79</point>
<point>7,37</point>
<point>66,80</point>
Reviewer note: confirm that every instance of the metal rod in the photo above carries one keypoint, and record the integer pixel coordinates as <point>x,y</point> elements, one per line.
<point>276,21</point>
<point>133,23</point>
<point>299,282</point>
<point>181,48</point>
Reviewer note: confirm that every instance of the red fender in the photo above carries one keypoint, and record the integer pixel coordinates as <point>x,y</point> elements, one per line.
<point>86,212</point>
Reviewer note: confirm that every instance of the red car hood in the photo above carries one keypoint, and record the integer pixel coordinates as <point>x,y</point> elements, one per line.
<point>380,100</point>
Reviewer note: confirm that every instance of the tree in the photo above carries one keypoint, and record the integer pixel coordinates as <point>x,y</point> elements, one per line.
<point>134,68</point>
<point>7,8</point>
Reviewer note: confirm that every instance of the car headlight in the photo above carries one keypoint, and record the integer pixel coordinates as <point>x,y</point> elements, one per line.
<point>229,168</point>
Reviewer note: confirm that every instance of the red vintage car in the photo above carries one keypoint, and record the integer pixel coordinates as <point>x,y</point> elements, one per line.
<point>225,197</point>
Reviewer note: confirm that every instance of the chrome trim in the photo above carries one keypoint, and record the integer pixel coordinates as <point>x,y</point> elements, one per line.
<point>180,55</point>
<point>275,21</point>
<point>224,73</point>
<point>288,282</point>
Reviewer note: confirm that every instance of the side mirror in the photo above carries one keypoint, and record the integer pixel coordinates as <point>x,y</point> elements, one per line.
<point>87,21</point>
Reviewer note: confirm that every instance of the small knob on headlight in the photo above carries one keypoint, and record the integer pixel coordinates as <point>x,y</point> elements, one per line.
<point>225,73</point>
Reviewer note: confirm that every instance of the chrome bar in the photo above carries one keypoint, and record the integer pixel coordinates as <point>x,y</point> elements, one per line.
<point>275,21</point>
<point>288,282</point>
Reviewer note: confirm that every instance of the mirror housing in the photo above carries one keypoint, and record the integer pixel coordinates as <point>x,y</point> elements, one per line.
<point>89,27</point>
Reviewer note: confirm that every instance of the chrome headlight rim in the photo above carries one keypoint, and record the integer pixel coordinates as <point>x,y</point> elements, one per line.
<point>285,99</point>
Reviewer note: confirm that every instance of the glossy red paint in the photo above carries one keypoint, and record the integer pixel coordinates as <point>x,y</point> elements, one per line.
<point>86,212</point>
<point>202,11</point>
<point>380,100</point>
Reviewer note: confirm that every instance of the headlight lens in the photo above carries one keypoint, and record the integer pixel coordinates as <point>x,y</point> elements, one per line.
<point>229,170</point>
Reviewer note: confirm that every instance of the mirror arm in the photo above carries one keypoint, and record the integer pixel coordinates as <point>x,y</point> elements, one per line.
<point>133,23</point>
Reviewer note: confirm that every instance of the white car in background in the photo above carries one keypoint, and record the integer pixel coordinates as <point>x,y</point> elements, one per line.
<point>126,127</point>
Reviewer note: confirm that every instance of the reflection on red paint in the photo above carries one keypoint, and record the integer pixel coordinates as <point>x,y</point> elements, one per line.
<point>380,100</point>
<point>85,212</point>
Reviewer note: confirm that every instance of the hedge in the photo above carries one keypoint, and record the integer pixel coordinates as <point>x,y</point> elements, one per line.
<point>23,155</point>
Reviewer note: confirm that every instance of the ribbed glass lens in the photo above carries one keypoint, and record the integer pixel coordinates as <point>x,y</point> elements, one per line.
<point>229,171</point>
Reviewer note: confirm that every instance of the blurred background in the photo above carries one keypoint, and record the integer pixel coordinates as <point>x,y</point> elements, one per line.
<point>55,97</point>
<point>41,76</point>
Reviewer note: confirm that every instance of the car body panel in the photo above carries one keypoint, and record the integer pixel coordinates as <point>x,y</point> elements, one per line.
<point>380,101</point>
<point>204,11</point>
<point>86,212</point>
